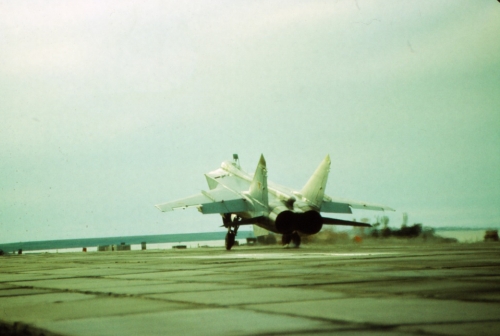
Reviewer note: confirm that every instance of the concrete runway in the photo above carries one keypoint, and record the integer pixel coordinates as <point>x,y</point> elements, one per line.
<point>367,289</point>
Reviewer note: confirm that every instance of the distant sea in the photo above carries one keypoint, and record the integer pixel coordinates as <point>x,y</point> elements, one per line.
<point>92,243</point>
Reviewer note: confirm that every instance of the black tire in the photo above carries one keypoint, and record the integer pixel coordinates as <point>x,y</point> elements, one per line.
<point>286,238</point>
<point>230,238</point>
<point>296,239</point>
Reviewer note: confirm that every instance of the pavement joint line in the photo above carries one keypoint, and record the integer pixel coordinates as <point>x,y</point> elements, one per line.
<point>315,318</point>
<point>445,323</point>
<point>364,326</point>
<point>238,306</point>
<point>273,256</point>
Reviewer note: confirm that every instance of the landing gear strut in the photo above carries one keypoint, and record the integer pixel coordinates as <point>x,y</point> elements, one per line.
<point>291,238</point>
<point>232,230</point>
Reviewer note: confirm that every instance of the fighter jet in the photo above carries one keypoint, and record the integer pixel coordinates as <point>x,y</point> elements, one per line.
<point>243,199</point>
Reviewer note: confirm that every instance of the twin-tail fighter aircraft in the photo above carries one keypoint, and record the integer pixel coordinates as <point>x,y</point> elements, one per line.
<point>243,199</point>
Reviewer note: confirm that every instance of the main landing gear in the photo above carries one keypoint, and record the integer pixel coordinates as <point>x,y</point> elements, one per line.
<point>291,240</point>
<point>232,229</point>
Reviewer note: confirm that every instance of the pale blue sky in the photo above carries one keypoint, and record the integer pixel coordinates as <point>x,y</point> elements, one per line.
<point>110,107</point>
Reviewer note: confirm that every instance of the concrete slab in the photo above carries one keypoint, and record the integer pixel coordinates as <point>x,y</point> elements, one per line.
<point>234,297</point>
<point>19,277</point>
<point>290,254</point>
<point>188,322</point>
<point>494,278</point>
<point>345,290</point>
<point>21,291</point>
<point>46,298</point>
<point>89,284</point>
<point>163,275</point>
<point>146,289</point>
<point>227,278</point>
<point>195,287</point>
<point>360,331</point>
<point>458,329</point>
<point>387,311</point>
<point>79,272</point>
<point>89,307</point>
<point>7,286</point>
<point>288,281</point>
<point>417,287</point>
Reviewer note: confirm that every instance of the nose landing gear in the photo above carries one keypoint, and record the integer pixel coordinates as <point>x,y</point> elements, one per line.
<point>230,239</point>
<point>232,229</point>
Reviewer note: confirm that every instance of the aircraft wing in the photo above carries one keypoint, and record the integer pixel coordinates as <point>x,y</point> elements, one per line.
<point>219,200</point>
<point>344,206</point>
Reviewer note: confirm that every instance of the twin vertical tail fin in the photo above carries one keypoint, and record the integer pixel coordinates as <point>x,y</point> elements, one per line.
<point>258,187</point>
<point>314,190</point>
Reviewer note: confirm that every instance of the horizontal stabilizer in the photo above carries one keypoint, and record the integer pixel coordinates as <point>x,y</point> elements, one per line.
<point>192,201</point>
<point>367,206</point>
<point>335,207</point>
<point>231,206</point>
<point>338,205</point>
<point>335,221</point>
<point>218,200</point>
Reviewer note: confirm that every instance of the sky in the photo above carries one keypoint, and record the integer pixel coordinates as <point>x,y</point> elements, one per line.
<point>110,107</point>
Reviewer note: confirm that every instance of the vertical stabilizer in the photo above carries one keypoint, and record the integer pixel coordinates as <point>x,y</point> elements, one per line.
<point>314,190</point>
<point>258,187</point>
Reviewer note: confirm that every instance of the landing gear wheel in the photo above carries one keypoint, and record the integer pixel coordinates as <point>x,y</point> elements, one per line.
<point>230,238</point>
<point>286,238</point>
<point>296,239</point>
<point>230,222</point>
